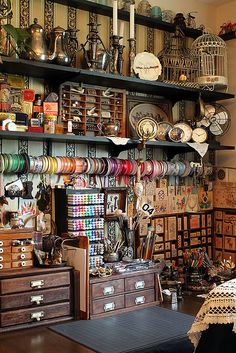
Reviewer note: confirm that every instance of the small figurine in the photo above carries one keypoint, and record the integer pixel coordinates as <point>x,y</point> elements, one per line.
<point>3,201</point>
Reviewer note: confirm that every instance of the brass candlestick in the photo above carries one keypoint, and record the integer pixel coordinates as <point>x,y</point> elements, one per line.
<point>120,59</point>
<point>131,55</point>
<point>117,56</point>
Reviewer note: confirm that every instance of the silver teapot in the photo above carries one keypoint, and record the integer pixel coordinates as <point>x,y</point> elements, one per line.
<point>109,129</point>
<point>37,43</point>
<point>59,46</point>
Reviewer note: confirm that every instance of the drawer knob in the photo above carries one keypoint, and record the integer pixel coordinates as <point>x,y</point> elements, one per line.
<point>1,250</point>
<point>37,299</point>
<point>1,266</point>
<point>1,243</point>
<point>37,284</point>
<point>139,300</point>
<point>37,316</point>
<point>22,256</point>
<point>109,307</point>
<point>139,285</point>
<point>1,258</point>
<point>23,263</point>
<point>23,249</point>
<point>108,290</point>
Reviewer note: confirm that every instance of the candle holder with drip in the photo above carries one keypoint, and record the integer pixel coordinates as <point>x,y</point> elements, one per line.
<point>117,55</point>
<point>96,56</point>
<point>132,50</point>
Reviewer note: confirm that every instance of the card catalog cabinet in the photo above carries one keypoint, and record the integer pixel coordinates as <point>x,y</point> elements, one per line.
<point>31,297</point>
<point>123,292</point>
<point>16,249</point>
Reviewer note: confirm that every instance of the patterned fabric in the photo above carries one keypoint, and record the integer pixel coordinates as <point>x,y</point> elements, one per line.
<point>219,307</point>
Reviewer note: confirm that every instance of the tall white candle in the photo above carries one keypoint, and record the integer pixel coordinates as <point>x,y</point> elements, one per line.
<point>121,33</point>
<point>131,21</point>
<point>115,20</point>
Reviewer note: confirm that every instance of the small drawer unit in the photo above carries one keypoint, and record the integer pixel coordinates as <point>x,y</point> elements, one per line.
<point>35,296</point>
<point>16,249</point>
<point>123,292</point>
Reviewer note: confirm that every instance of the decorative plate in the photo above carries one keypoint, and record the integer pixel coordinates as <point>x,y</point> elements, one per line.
<point>147,66</point>
<point>144,110</point>
<point>147,128</point>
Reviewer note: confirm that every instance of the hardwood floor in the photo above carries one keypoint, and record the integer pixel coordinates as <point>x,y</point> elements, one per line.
<point>43,340</point>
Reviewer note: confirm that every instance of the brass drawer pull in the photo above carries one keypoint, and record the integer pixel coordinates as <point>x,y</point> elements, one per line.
<point>139,300</point>
<point>37,299</point>
<point>37,316</point>
<point>37,284</point>
<point>109,307</point>
<point>139,285</point>
<point>109,290</point>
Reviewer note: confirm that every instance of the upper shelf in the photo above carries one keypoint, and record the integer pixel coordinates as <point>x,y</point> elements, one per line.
<point>58,74</point>
<point>124,15</point>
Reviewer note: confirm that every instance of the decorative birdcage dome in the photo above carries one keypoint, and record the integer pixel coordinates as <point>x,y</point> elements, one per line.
<point>179,63</point>
<point>212,53</point>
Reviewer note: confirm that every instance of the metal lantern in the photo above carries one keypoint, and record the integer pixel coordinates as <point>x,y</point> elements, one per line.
<point>179,64</point>
<point>212,54</point>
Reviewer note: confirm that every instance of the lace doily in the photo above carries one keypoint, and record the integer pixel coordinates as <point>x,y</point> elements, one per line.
<point>219,307</point>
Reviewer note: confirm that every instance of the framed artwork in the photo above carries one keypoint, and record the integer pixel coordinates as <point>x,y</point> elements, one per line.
<point>218,214</point>
<point>159,225</point>
<point>115,199</point>
<point>218,227</point>
<point>139,107</point>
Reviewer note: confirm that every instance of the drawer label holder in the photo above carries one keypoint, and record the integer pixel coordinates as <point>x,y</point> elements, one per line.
<point>140,300</point>
<point>37,316</point>
<point>37,284</point>
<point>109,307</point>
<point>139,285</point>
<point>108,290</point>
<point>37,299</point>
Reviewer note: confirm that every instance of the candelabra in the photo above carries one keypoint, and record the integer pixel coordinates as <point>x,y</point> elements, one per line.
<point>96,55</point>
<point>131,55</point>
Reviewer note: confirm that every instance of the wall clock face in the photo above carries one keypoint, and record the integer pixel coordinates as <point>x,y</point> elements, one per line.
<point>176,134</point>
<point>187,131</point>
<point>199,135</point>
<point>163,129</point>
<point>147,128</point>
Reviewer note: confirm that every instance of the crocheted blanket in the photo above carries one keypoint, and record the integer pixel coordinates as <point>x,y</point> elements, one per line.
<point>219,307</point>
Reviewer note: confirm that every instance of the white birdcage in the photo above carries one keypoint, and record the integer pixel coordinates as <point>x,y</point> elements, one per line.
<point>212,53</point>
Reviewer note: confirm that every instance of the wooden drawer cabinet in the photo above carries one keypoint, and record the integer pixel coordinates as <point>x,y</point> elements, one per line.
<point>35,296</point>
<point>123,292</point>
<point>14,255</point>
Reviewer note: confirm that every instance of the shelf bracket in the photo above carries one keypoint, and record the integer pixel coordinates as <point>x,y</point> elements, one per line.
<point>115,150</point>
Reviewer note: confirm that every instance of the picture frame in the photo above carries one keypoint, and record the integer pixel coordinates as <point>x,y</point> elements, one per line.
<point>115,199</point>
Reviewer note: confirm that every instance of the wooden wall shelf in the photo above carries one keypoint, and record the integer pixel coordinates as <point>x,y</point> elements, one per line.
<point>124,15</point>
<point>58,74</point>
<point>172,148</point>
